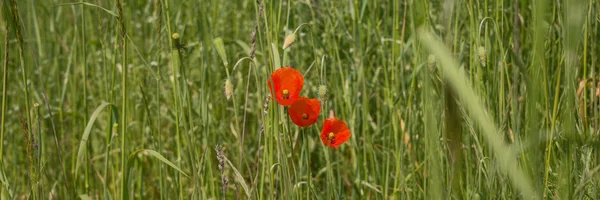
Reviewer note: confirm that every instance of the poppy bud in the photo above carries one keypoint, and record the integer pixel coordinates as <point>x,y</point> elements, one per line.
<point>289,40</point>
<point>221,50</point>
<point>322,92</point>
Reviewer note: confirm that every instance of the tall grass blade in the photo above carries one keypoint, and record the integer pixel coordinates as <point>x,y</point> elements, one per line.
<point>159,157</point>
<point>239,178</point>
<point>86,134</point>
<point>450,68</point>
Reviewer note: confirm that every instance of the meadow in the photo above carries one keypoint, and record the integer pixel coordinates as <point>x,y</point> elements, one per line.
<point>170,99</point>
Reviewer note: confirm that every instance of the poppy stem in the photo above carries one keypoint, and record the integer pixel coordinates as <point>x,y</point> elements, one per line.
<point>307,156</point>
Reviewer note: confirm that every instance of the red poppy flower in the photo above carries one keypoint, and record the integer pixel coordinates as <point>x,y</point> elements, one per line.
<point>305,112</point>
<point>287,83</point>
<point>334,133</point>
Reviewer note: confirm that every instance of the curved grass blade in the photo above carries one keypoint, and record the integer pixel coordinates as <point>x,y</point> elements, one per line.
<point>450,68</point>
<point>148,152</point>
<point>91,5</point>
<point>159,157</point>
<point>238,177</point>
<point>86,135</point>
<point>84,197</point>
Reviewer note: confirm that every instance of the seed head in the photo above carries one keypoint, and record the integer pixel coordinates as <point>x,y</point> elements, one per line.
<point>175,36</point>
<point>228,89</point>
<point>322,92</point>
<point>221,158</point>
<point>289,40</point>
<point>431,62</point>
<point>481,53</point>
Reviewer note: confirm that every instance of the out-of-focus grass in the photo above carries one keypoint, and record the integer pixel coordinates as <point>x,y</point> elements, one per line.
<point>509,85</point>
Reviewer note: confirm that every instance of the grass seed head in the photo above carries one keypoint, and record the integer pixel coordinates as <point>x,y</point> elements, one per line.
<point>289,40</point>
<point>228,89</point>
<point>322,92</point>
<point>221,158</point>
<point>431,62</point>
<point>481,53</point>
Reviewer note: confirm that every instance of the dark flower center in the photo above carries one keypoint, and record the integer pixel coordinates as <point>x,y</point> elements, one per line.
<point>304,116</point>
<point>286,94</point>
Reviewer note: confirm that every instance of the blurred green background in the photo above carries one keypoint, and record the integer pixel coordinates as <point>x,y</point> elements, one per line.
<point>455,99</point>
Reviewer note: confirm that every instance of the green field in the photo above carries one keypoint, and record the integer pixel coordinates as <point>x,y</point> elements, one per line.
<point>168,99</point>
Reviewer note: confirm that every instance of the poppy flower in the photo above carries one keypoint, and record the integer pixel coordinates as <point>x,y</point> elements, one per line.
<point>305,112</point>
<point>286,83</point>
<point>334,132</point>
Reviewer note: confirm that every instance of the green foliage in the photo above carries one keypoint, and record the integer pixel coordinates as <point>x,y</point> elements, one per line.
<point>514,81</point>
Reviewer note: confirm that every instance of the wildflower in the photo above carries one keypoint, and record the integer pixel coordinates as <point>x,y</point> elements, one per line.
<point>334,133</point>
<point>287,84</point>
<point>305,112</point>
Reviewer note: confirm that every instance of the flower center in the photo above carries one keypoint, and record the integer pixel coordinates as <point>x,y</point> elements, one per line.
<point>286,94</point>
<point>330,136</point>
<point>304,116</point>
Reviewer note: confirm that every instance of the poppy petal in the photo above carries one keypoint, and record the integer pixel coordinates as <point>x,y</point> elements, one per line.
<point>334,133</point>
<point>304,112</point>
<point>287,83</point>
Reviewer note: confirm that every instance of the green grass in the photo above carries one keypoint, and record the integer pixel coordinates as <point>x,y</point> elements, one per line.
<point>459,99</point>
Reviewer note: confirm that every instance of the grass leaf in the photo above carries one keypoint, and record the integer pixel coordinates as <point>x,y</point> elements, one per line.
<point>218,42</point>
<point>159,157</point>
<point>86,135</point>
<point>464,91</point>
<point>239,178</point>
<point>91,5</point>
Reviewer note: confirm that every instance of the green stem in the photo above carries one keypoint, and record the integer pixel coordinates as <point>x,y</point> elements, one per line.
<point>174,63</point>
<point>85,102</point>
<point>4,96</point>
<point>124,95</point>
<point>17,22</point>
<point>307,156</point>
